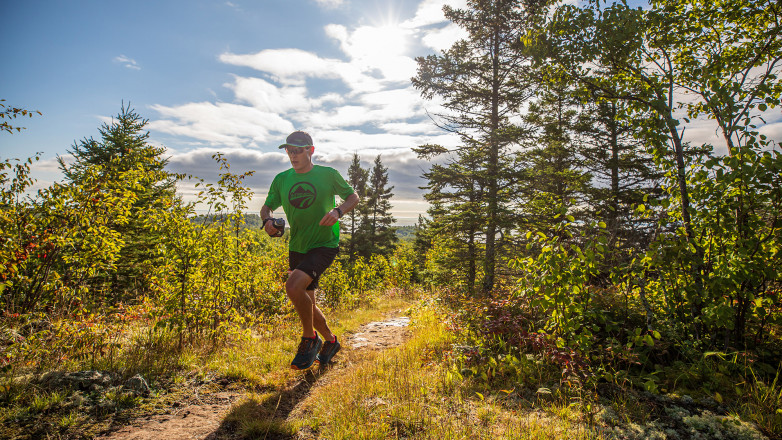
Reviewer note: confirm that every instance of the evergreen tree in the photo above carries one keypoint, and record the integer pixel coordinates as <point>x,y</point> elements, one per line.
<point>122,147</point>
<point>357,177</point>
<point>553,180</point>
<point>455,193</point>
<point>481,81</point>
<point>376,236</point>
<point>623,174</point>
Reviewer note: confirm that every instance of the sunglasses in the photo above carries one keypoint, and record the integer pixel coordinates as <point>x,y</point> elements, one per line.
<point>295,151</point>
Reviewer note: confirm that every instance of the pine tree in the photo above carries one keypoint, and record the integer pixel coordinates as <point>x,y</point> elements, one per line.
<point>376,236</point>
<point>124,146</point>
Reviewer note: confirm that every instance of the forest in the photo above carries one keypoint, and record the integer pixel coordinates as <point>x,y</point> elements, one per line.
<point>581,258</point>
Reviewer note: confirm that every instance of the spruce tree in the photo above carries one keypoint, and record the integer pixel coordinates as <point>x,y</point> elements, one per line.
<point>123,146</point>
<point>553,179</point>
<point>376,235</point>
<point>623,174</point>
<point>357,178</point>
<point>455,193</point>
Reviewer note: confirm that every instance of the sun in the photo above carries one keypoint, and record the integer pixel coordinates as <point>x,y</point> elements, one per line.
<point>380,41</point>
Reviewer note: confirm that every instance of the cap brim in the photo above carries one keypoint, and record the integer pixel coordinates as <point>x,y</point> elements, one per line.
<point>292,145</point>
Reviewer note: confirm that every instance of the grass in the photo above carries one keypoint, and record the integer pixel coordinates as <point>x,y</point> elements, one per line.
<point>407,392</point>
<point>263,359</point>
<point>763,404</point>
<point>255,417</point>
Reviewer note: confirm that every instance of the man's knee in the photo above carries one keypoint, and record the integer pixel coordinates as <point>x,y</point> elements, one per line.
<point>297,283</point>
<point>291,289</point>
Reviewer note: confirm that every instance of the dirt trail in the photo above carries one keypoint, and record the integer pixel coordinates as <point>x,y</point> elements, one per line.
<point>202,418</point>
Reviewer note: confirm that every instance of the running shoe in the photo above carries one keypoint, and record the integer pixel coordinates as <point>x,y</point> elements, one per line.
<point>328,351</point>
<point>306,353</point>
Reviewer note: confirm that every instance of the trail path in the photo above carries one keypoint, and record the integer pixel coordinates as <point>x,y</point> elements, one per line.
<point>202,417</point>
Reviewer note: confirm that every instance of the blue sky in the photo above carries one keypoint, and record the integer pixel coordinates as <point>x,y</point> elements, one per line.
<point>230,76</point>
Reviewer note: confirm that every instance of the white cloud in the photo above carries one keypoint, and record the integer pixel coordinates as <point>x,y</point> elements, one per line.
<point>443,38</point>
<point>398,103</point>
<point>127,62</point>
<point>435,30</point>
<point>330,3</point>
<point>235,7</point>
<point>265,96</point>
<point>375,59</point>
<point>773,131</point>
<point>431,12</point>
<point>288,66</point>
<point>375,108</point>
<point>340,142</point>
<point>426,127</point>
<point>221,124</point>
<point>344,116</point>
<point>704,131</point>
<point>376,48</point>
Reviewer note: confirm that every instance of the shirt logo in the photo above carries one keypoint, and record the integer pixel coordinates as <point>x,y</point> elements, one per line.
<point>302,195</point>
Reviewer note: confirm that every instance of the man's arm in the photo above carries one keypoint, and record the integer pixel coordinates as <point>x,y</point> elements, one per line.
<point>332,216</point>
<point>266,212</point>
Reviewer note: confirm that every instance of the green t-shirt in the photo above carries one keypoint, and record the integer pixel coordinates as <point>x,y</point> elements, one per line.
<point>306,198</point>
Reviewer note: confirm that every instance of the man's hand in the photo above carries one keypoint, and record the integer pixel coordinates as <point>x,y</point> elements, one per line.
<point>329,219</point>
<point>269,228</point>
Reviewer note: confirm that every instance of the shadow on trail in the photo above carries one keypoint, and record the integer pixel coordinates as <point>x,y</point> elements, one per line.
<point>265,417</point>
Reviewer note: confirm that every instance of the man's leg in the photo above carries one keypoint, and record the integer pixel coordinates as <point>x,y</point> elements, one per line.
<point>304,304</point>
<point>302,281</point>
<point>319,319</point>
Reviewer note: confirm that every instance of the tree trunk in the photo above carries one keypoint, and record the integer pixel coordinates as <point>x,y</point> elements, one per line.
<point>613,216</point>
<point>492,168</point>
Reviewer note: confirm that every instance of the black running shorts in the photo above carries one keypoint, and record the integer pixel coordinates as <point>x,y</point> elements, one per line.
<point>313,263</point>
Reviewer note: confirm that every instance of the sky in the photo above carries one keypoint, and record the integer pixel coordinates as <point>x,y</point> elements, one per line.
<point>234,77</point>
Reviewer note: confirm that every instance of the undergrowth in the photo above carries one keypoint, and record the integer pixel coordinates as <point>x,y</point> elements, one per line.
<point>38,402</point>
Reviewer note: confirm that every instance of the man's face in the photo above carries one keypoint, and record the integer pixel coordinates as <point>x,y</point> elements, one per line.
<point>301,157</point>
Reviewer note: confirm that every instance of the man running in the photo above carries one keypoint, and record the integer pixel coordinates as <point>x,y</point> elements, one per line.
<point>306,193</point>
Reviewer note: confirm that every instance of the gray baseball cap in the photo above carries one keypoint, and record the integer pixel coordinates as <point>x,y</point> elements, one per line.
<point>298,139</point>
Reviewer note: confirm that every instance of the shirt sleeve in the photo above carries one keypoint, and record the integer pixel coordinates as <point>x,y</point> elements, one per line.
<point>341,187</point>
<point>273,200</point>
